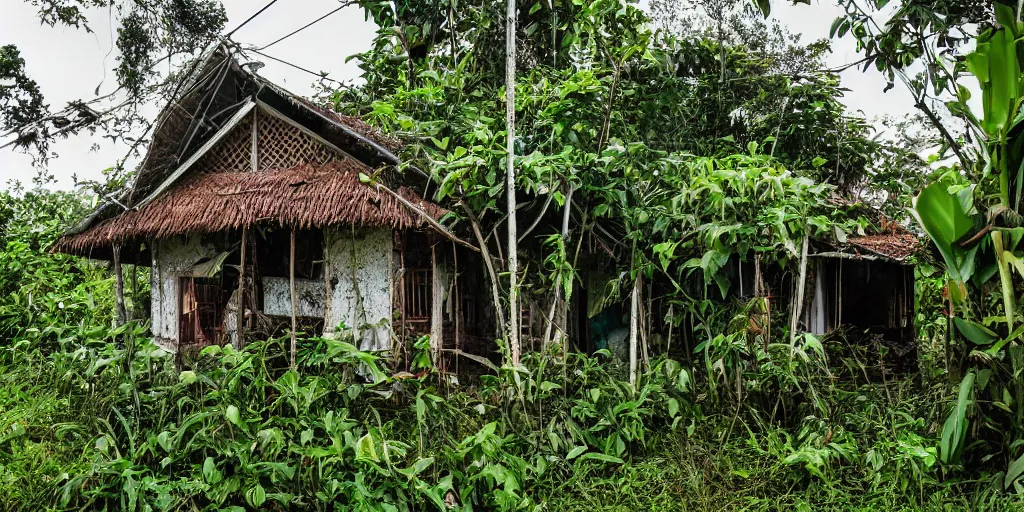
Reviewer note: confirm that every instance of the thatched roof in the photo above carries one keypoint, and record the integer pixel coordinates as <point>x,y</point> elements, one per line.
<point>300,197</point>
<point>886,240</point>
<point>217,86</point>
<point>233,149</point>
<point>896,246</point>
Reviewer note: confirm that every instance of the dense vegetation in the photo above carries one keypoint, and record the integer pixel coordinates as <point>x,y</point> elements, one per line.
<point>681,150</point>
<point>97,417</point>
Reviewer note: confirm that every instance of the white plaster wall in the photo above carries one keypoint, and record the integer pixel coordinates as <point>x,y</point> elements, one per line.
<point>277,297</point>
<point>172,258</point>
<point>357,271</point>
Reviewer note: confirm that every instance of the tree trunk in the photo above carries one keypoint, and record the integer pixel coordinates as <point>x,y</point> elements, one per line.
<point>566,210</point>
<point>295,298</point>
<point>510,180</point>
<point>489,265</point>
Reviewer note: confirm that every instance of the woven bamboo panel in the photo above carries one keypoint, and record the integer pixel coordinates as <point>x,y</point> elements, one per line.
<point>283,146</point>
<point>232,153</point>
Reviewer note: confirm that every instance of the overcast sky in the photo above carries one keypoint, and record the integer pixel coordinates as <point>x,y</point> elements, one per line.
<point>69,64</point>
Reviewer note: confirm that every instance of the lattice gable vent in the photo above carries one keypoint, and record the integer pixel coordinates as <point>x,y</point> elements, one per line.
<point>279,145</point>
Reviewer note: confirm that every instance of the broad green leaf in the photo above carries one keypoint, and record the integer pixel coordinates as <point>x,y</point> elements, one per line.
<point>187,377</point>
<point>954,430</point>
<point>418,467</point>
<point>975,332</point>
<point>256,495</point>
<point>575,452</point>
<point>1013,472</point>
<point>366,449</point>
<point>943,218</point>
<point>765,6</point>
<point>673,407</point>
<point>602,457</point>
<point>211,474</point>
<point>235,417</point>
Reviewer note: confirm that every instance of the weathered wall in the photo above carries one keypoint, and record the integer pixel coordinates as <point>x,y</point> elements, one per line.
<point>277,297</point>
<point>357,272</point>
<point>172,258</point>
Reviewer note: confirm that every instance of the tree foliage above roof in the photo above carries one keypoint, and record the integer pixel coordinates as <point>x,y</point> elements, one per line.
<point>150,33</point>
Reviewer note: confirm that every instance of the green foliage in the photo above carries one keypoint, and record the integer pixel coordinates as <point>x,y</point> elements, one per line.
<point>36,288</point>
<point>696,213</point>
<point>148,33</point>
<point>944,219</point>
<point>20,98</point>
<point>949,210</point>
<point>95,417</point>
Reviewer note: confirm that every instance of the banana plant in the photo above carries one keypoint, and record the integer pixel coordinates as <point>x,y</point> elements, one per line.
<point>947,214</point>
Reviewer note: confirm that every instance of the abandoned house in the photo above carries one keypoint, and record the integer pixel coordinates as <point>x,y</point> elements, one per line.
<point>861,286</point>
<point>252,204</point>
<point>865,283</point>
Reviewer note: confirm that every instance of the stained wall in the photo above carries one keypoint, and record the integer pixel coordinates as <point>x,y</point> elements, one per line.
<point>173,258</point>
<point>357,274</point>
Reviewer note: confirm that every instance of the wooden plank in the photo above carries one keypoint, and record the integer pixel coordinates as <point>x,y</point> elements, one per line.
<point>240,328</point>
<point>119,286</point>
<point>436,313</point>
<point>295,297</point>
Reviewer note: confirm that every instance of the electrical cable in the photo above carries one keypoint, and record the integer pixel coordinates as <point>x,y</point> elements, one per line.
<point>310,24</point>
<point>265,7</point>
<point>322,76</point>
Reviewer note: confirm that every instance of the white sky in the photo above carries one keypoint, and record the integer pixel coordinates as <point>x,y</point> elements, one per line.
<point>69,64</point>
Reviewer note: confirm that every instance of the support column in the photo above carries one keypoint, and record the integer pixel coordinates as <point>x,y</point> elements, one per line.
<point>240,329</point>
<point>436,309</point>
<point>119,287</point>
<point>294,295</point>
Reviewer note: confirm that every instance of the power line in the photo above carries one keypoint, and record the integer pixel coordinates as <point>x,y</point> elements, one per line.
<point>322,76</point>
<point>310,24</point>
<point>265,7</point>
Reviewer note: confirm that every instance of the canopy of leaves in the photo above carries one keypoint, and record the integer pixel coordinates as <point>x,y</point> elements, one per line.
<point>150,32</point>
<point>21,102</point>
<point>616,123</point>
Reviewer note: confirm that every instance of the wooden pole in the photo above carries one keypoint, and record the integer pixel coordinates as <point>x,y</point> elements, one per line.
<point>240,328</point>
<point>295,297</point>
<point>489,265</point>
<point>458,305</point>
<point>798,304</point>
<point>436,309</point>
<point>119,287</point>
<point>510,181</point>
<point>133,314</point>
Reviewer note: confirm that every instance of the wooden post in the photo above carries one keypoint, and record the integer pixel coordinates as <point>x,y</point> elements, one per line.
<point>133,314</point>
<point>240,328</point>
<point>295,297</point>
<point>436,309</point>
<point>119,286</point>
<point>458,305</point>
<point>798,305</point>
<point>254,155</point>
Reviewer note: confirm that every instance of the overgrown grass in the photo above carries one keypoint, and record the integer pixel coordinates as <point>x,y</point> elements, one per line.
<point>88,425</point>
